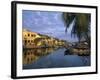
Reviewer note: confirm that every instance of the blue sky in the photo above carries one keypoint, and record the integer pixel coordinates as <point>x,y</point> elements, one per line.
<point>48,23</point>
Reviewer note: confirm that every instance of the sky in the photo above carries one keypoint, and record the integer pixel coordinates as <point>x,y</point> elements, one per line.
<point>46,22</point>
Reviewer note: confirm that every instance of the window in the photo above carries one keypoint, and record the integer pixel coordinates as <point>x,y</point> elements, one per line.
<point>25,41</point>
<point>28,53</point>
<point>32,41</point>
<point>28,34</point>
<point>33,35</point>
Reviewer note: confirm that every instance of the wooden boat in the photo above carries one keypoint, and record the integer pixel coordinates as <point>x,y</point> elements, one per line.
<point>80,49</point>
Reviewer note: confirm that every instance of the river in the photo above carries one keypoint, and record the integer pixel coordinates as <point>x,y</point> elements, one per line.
<point>52,58</point>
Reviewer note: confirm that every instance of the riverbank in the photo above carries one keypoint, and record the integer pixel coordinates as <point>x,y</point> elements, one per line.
<point>81,49</point>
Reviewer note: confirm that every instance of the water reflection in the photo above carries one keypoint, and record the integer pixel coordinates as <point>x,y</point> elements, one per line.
<point>52,58</point>
<point>31,55</point>
<point>82,53</point>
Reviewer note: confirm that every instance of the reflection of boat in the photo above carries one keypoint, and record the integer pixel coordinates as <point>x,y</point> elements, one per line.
<point>67,52</point>
<point>31,55</point>
<point>79,49</point>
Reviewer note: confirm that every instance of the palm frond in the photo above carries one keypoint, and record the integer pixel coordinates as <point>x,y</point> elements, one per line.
<point>81,24</point>
<point>68,18</point>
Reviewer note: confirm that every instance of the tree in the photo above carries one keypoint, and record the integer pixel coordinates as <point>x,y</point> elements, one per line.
<point>81,27</point>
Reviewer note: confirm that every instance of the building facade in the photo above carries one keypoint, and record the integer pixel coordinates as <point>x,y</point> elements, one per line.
<point>35,40</point>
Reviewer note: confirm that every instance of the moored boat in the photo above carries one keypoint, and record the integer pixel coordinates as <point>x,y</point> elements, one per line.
<point>80,49</point>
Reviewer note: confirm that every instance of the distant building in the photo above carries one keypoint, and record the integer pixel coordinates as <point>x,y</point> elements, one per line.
<point>35,40</point>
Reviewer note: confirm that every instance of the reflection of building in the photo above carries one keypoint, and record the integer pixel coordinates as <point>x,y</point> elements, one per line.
<point>31,55</point>
<point>35,40</point>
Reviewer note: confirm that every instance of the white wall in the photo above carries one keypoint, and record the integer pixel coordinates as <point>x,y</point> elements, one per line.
<point>5,37</point>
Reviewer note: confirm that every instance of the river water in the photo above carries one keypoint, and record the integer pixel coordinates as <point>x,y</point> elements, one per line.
<point>52,58</point>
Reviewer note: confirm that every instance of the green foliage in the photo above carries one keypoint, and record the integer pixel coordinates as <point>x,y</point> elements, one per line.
<point>81,24</point>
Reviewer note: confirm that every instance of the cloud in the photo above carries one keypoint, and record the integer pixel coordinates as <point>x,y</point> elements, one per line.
<point>43,22</point>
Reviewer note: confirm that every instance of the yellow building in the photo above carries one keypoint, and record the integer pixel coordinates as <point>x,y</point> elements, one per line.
<point>35,40</point>
<point>28,38</point>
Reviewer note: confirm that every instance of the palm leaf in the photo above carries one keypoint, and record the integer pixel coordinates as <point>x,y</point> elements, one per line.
<point>68,18</point>
<point>81,23</point>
